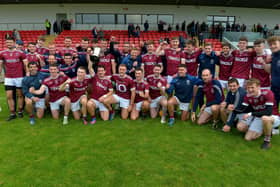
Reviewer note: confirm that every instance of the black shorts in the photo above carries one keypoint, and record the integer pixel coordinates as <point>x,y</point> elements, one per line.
<point>9,88</point>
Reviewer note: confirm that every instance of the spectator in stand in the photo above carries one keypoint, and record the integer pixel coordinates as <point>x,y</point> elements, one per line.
<point>183,28</point>
<point>146,26</point>
<point>48,26</point>
<point>55,28</point>
<point>169,29</point>
<point>137,31</point>
<point>16,35</point>
<point>265,31</point>
<point>243,28</point>
<point>94,32</point>
<point>177,27</point>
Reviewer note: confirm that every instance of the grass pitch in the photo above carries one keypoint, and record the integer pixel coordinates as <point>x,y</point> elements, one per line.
<point>130,153</point>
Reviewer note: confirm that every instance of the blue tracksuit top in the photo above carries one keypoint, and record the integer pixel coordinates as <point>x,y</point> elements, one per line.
<point>183,87</point>
<point>32,81</point>
<point>275,70</point>
<point>207,62</point>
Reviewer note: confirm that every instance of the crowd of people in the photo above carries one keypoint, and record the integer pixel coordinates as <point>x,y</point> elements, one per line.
<point>95,77</point>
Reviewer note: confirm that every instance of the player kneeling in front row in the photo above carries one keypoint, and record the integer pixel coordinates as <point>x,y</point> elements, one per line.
<point>77,93</point>
<point>125,93</point>
<point>103,89</point>
<point>270,122</point>
<point>57,98</point>
<point>233,101</point>
<point>158,85</point>
<point>183,86</point>
<point>141,97</point>
<point>213,91</point>
<point>261,103</point>
<point>34,80</point>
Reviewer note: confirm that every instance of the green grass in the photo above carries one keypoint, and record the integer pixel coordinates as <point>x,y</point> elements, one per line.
<point>130,153</point>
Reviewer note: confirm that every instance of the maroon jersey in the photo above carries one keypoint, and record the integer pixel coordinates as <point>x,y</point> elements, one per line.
<point>258,103</point>
<point>106,61</point>
<point>42,50</point>
<point>173,59</point>
<point>153,82</point>
<point>65,50</point>
<point>34,58</point>
<point>77,89</point>
<point>142,86</point>
<point>13,63</point>
<point>258,71</point>
<point>225,64</point>
<point>149,61</point>
<point>275,109</point>
<point>124,85</point>
<point>242,64</point>
<point>100,86</point>
<point>191,62</point>
<point>53,86</point>
<point>209,89</point>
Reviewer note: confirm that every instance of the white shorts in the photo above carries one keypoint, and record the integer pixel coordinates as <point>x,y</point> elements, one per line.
<point>40,103</point>
<point>182,106</point>
<point>241,82</point>
<point>155,102</point>
<point>55,105</point>
<point>276,122</point>
<point>76,105</point>
<point>138,106</point>
<point>124,103</point>
<point>99,105</point>
<point>169,79</point>
<point>208,110</point>
<point>17,82</point>
<point>224,84</point>
<point>254,123</point>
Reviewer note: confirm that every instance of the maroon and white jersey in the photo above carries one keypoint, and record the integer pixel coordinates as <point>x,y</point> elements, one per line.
<point>53,85</point>
<point>13,63</point>
<point>258,71</point>
<point>258,103</point>
<point>124,85</point>
<point>100,87</point>
<point>77,89</point>
<point>275,110</point>
<point>42,50</point>
<point>33,57</point>
<point>173,59</point>
<point>242,64</point>
<point>65,50</point>
<point>225,63</point>
<point>153,82</point>
<point>191,62</point>
<point>149,61</point>
<point>143,87</point>
<point>106,61</point>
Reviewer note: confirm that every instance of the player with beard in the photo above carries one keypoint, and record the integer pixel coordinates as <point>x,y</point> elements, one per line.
<point>158,85</point>
<point>57,98</point>
<point>124,95</point>
<point>103,89</point>
<point>15,63</point>
<point>225,65</point>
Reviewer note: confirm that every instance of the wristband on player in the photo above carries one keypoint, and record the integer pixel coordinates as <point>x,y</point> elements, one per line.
<point>104,96</point>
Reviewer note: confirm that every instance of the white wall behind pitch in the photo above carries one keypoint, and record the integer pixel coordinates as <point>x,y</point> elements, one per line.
<point>35,14</point>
